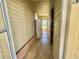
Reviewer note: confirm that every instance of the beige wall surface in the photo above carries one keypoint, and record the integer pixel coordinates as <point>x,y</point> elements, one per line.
<point>73,36</point>
<point>4,49</point>
<point>1,19</point>
<point>57,23</point>
<point>22,21</point>
<point>42,8</point>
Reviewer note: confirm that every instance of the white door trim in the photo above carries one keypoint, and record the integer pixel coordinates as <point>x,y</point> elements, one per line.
<point>8,28</point>
<point>65,11</point>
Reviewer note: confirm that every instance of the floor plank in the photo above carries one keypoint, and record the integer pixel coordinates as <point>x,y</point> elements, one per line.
<point>40,49</point>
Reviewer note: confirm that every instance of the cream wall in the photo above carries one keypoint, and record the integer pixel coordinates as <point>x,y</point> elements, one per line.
<point>73,36</point>
<point>4,49</point>
<point>1,19</point>
<point>22,21</point>
<point>57,23</point>
<point>42,8</point>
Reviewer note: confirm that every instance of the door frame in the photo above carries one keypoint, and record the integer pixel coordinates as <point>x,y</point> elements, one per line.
<point>65,19</point>
<point>7,28</point>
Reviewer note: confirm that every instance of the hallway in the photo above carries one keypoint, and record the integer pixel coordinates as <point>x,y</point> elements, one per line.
<point>39,29</point>
<point>41,49</point>
<point>25,29</point>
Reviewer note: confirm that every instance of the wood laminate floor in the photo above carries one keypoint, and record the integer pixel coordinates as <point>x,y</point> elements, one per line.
<point>41,49</point>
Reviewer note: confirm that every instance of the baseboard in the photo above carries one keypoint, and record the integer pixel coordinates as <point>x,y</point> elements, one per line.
<point>22,52</point>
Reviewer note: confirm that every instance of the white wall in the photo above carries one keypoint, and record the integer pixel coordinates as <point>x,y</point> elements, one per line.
<point>22,21</point>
